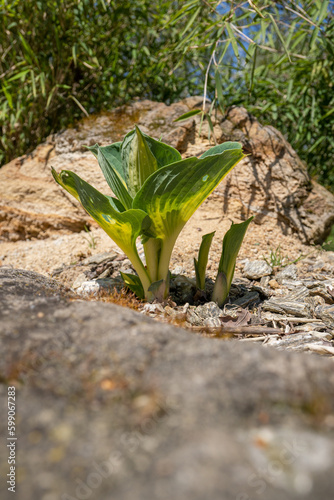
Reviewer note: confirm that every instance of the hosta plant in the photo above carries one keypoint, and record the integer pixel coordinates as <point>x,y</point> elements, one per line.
<point>154,193</point>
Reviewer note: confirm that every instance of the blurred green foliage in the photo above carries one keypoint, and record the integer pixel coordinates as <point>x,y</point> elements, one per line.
<point>328,245</point>
<point>62,59</point>
<point>276,58</point>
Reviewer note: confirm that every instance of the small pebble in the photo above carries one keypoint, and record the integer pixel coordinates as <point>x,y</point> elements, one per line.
<point>178,270</point>
<point>273,284</point>
<point>264,281</point>
<point>256,269</point>
<point>79,280</point>
<point>287,273</point>
<point>209,310</point>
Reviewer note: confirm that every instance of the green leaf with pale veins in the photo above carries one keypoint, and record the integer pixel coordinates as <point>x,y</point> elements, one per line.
<point>173,193</point>
<point>220,148</point>
<point>115,203</point>
<point>164,154</point>
<point>138,160</point>
<point>122,227</point>
<point>110,162</point>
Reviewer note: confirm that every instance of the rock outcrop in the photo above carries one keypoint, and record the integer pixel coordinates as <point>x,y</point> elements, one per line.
<point>111,404</point>
<point>271,183</point>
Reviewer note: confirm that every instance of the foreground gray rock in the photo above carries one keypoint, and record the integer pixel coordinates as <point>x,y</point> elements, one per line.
<point>111,404</point>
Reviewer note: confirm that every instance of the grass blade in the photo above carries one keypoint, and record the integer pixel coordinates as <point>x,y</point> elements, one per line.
<point>233,40</point>
<point>279,34</point>
<point>219,90</point>
<point>187,115</point>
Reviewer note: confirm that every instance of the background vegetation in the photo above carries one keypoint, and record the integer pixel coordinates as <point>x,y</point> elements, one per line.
<point>62,59</point>
<point>277,59</point>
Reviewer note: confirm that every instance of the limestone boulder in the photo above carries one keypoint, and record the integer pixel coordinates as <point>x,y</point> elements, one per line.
<point>111,404</point>
<point>271,183</point>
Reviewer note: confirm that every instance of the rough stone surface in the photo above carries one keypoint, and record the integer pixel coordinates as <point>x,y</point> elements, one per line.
<point>288,272</point>
<point>271,183</point>
<point>111,404</point>
<point>256,269</point>
<point>326,313</point>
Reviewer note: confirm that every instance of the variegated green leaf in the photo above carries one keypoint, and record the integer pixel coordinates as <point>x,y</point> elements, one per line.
<point>122,227</point>
<point>220,148</point>
<point>164,154</point>
<point>172,194</point>
<point>138,161</point>
<point>110,162</point>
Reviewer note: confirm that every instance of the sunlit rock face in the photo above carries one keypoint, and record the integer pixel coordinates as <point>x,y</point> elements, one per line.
<point>271,183</point>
